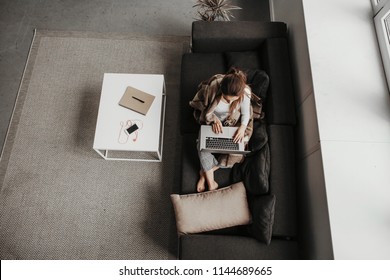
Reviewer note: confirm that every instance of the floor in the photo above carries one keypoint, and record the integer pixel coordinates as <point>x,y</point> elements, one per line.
<point>18,19</point>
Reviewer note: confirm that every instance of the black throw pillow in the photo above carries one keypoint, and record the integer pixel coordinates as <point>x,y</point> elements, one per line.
<point>259,137</point>
<point>254,172</point>
<point>263,212</point>
<point>255,169</point>
<point>258,80</point>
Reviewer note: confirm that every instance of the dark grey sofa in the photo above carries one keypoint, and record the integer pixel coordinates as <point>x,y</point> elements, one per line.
<point>213,43</point>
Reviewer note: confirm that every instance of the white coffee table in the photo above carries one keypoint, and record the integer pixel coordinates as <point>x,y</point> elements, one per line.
<point>111,140</point>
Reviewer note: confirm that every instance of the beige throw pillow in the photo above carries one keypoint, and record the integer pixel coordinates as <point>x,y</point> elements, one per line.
<point>222,208</point>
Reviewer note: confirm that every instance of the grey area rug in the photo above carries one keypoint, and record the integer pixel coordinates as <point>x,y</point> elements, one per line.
<point>59,199</point>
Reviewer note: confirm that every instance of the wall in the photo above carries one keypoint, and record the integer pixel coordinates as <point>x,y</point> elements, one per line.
<point>315,231</point>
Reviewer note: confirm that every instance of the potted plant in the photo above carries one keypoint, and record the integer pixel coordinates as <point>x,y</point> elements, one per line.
<point>212,10</point>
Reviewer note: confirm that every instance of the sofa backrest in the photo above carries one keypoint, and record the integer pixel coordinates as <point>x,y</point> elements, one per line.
<point>223,36</point>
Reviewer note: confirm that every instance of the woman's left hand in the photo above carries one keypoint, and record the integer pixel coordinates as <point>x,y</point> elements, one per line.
<point>240,133</point>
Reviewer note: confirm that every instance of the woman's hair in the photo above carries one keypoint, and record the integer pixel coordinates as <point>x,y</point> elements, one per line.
<point>233,84</point>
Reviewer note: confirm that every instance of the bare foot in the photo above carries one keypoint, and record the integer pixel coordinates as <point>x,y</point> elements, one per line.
<point>213,186</point>
<point>201,185</point>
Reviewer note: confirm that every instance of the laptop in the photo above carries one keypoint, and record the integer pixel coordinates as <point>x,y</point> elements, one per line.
<point>137,100</point>
<point>221,143</point>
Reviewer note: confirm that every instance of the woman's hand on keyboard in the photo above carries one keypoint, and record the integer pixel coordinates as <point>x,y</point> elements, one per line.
<point>217,126</point>
<point>240,133</point>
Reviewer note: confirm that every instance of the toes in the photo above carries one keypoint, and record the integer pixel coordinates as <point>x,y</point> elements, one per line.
<point>214,186</point>
<point>201,188</point>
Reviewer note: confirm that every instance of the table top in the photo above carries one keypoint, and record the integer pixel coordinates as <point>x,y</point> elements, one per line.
<point>113,119</point>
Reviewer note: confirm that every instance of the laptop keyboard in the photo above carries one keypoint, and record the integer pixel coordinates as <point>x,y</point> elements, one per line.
<point>221,144</point>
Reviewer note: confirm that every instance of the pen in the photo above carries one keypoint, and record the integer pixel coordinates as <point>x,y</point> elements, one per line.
<point>138,99</point>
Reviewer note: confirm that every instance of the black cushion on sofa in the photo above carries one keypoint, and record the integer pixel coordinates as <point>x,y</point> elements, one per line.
<point>259,137</point>
<point>255,169</point>
<point>262,209</point>
<point>258,80</point>
<point>254,172</point>
<point>243,60</point>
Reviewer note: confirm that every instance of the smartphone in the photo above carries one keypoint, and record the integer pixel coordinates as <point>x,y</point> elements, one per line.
<point>132,128</point>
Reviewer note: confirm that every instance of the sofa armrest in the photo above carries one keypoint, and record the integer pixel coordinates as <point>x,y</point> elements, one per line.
<point>222,36</point>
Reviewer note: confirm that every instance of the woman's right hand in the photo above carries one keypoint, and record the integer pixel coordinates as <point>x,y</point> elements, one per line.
<point>217,126</point>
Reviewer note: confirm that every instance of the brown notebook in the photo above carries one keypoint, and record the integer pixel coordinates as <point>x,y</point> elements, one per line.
<point>137,100</point>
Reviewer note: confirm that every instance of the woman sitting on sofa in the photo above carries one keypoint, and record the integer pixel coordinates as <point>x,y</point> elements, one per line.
<point>223,100</point>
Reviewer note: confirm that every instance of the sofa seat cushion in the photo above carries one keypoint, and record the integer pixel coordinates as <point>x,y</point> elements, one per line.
<point>228,247</point>
<point>211,210</point>
<point>282,179</point>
